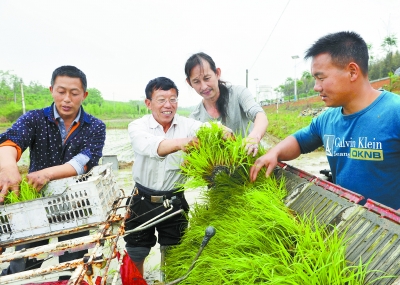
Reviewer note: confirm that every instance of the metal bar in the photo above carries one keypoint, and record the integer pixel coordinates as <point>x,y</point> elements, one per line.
<point>75,275</point>
<point>140,228</point>
<point>49,235</point>
<point>383,211</point>
<point>114,281</point>
<point>9,279</point>
<point>50,248</point>
<point>88,263</point>
<point>155,218</point>
<point>112,253</point>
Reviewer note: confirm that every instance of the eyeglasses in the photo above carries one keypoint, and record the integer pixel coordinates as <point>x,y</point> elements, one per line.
<point>162,101</point>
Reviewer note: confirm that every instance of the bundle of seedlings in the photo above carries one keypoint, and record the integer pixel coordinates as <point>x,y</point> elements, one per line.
<point>258,239</point>
<point>26,193</point>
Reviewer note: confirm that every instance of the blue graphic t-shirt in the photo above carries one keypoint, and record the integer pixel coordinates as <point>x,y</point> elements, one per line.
<point>363,149</point>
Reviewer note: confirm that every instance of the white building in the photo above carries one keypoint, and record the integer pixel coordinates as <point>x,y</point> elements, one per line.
<point>264,92</point>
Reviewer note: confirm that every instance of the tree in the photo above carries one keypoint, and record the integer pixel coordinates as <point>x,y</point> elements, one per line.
<point>94,97</point>
<point>308,81</point>
<point>394,84</point>
<point>389,42</point>
<point>9,86</point>
<point>371,56</point>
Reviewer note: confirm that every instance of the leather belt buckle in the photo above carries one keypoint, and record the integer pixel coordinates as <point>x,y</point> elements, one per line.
<point>157,199</point>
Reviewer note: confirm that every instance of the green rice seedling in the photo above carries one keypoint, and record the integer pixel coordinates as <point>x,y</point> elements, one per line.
<point>215,155</point>
<point>26,193</point>
<point>11,197</point>
<point>258,239</point>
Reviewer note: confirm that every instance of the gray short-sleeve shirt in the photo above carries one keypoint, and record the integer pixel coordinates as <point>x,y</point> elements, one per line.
<point>242,111</point>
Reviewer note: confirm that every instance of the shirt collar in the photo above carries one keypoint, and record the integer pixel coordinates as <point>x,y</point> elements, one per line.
<point>57,116</point>
<point>154,124</point>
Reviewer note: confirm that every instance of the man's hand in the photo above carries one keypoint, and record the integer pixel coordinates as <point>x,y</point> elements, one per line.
<point>269,160</point>
<point>39,178</point>
<point>10,179</point>
<point>189,142</point>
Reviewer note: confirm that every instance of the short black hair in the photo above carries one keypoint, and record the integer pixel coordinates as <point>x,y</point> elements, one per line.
<point>70,71</point>
<point>158,83</point>
<point>343,47</point>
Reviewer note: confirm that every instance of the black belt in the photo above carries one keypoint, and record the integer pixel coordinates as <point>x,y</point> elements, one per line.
<point>156,196</point>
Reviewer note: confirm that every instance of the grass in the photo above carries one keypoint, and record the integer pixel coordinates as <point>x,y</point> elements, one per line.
<point>287,119</point>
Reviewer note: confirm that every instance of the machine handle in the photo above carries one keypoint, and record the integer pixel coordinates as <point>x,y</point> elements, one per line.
<point>210,232</point>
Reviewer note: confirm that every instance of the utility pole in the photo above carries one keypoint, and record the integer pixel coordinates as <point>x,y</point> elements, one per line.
<point>15,93</point>
<point>247,78</point>
<point>295,81</point>
<point>114,102</point>
<point>256,79</point>
<point>23,99</point>
<point>277,102</point>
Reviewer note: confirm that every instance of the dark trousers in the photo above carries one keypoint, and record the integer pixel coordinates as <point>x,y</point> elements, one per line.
<point>169,231</point>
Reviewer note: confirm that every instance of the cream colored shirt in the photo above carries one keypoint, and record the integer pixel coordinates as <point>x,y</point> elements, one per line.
<point>150,169</point>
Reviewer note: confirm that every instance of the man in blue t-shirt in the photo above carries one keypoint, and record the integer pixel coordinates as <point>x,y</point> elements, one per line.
<point>360,133</point>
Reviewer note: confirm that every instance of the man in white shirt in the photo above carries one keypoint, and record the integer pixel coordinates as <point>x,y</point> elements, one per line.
<point>157,141</point>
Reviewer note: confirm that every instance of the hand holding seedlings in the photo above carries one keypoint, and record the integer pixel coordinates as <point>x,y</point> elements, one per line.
<point>38,179</point>
<point>287,149</point>
<point>190,142</point>
<point>26,193</point>
<point>269,160</point>
<point>227,133</point>
<point>9,174</point>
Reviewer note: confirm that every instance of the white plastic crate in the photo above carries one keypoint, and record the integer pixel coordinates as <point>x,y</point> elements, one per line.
<point>67,203</point>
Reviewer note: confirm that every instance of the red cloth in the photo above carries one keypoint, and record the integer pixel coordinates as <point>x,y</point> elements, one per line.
<point>130,275</point>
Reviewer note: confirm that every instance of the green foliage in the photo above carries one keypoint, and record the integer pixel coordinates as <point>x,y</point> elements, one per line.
<point>378,68</point>
<point>35,96</point>
<point>94,97</point>
<point>11,112</point>
<point>288,119</point>
<point>27,193</point>
<point>389,42</point>
<point>282,125</point>
<point>394,85</point>
<point>216,155</point>
<point>381,68</point>
<point>304,87</point>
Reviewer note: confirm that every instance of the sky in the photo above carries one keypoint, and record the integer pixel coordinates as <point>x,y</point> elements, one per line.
<point>120,45</point>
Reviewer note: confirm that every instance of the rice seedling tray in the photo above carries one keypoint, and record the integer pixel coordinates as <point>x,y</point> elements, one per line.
<point>68,203</point>
<point>373,230</point>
